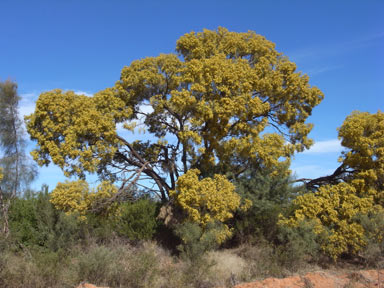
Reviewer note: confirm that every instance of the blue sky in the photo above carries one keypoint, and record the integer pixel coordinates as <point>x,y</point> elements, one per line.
<point>83,45</point>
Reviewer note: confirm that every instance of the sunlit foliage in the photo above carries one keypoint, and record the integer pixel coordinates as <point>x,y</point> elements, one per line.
<point>77,197</point>
<point>363,134</point>
<point>333,209</point>
<point>208,200</point>
<point>223,100</point>
<point>336,208</point>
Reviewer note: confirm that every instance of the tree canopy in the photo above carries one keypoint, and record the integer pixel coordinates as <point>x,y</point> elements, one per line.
<point>18,171</point>
<point>223,102</point>
<point>355,189</point>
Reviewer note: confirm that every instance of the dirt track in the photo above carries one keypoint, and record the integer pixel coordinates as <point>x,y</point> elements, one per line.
<point>359,279</point>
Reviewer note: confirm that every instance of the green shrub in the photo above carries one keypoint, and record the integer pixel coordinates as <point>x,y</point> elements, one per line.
<point>23,221</point>
<point>298,245</point>
<point>261,261</point>
<point>271,195</point>
<point>36,269</point>
<point>137,220</point>
<point>98,265</point>
<point>118,265</point>
<point>34,221</point>
<point>196,240</point>
<point>373,252</point>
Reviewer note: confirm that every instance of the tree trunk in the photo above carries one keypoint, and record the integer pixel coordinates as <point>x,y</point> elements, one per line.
<point>4,208</point>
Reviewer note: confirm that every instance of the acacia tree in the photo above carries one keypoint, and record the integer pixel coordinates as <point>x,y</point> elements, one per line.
<point>18,171</point>
<point>362,163</point>
<point>225,100</point>
<point>356,188</point>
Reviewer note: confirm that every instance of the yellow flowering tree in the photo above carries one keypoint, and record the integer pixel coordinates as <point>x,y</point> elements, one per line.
<point>208,200</point>
<point>333,208</point>
<point>77,197</point>
<point>363,134</point>
<point>356,188</point>
<point>225,100</point>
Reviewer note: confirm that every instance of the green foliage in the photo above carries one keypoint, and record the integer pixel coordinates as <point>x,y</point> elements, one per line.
<point>137,220</point>
<point>18,171</point>
<point>98,265</point>
<point>373,225</point>
<point>271,194</point>
<point>122,266</point>
<point>196,240</point>
<point>298,245</point>
<point>35,222</point>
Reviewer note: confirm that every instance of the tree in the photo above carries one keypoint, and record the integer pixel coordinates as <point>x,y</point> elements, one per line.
<point>76,197</point>
<point>271,194</point>
<point>208,201</point>
<point>355,189</point>
<point>225,100</point>
<point>362,163</point>
<point>18,171</point>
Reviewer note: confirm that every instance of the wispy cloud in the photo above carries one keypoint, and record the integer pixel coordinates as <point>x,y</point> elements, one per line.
<point>323,69</point>
<point>315,57</point>
<point>79,92</point>
<point>328,146</point>
<point>28,101</point>
<point>311,171</point>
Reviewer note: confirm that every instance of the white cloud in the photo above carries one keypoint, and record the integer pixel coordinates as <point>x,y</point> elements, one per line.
<point>311,171</point>
<point>328,146</point>
<point>27,103</point>
<point>29,96</point>
<point>79,92</point>
<point>25,110</point>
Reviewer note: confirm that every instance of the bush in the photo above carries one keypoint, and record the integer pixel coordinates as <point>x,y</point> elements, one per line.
<point>34,222</point>
<point>373,252</point>
<point>333,210</point>
<point>137,220</point>
<point>98,265</point>
<point>261,261</point>
<point>298,245</point>
<point>270,192</point>
<point>118,265</point>
<point>196,240</point>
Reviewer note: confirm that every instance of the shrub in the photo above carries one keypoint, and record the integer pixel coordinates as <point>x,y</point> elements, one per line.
<point>196,240</point>
<point>373,252</point>
<point>333,209</point>
<point>271,192</point>
<point>208,201</point>
<point>118,265</point>
<point>35,222</point>
<point>137,220</point>
<point>261,261</point>
<point>298,245</point>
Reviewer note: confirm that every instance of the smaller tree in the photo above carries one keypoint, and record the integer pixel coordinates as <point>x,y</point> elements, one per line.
<point>77,197</point>
<point>208,200</point>
<point>271,192</point>
<point>362,164</point>
<point>334,210</point>
<point>355,189</point>
<point>18,171</point>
